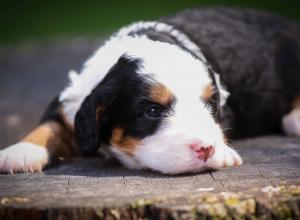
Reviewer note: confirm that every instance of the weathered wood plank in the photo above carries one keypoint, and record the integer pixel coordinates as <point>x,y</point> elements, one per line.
<point>88,183</point>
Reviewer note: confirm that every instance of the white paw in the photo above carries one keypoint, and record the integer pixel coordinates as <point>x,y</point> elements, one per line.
<point>224,157</point>
<point>291,123</point>
<point>23,157</point>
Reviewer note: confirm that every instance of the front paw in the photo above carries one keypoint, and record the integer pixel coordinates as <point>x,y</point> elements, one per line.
<point>23,157</point>
<point>224,157</point>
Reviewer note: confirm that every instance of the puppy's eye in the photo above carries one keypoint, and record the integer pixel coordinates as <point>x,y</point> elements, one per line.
<point>154,111</point>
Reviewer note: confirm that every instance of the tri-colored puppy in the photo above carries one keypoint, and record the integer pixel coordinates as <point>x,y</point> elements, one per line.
<point>160,94</point>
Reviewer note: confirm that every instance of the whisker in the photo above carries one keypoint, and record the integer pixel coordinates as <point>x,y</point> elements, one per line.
<point>226,129</point>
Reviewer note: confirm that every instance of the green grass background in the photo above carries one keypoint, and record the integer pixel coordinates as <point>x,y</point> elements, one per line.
<point>27,20</point>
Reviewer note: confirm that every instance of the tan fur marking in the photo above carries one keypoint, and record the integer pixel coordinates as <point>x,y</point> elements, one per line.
<point>208,92</point>
<point>296,102</point>
<point>41,134</point>
<point>55,138</point>
<point>124,143</point>
<point>225,139</point>
<point>161,94</point>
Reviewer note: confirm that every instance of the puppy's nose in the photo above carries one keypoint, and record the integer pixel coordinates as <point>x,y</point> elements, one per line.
<point>204,151</point>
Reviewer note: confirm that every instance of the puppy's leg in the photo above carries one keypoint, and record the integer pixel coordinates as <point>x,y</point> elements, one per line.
<point>291,121</point>
<point>50,141</point>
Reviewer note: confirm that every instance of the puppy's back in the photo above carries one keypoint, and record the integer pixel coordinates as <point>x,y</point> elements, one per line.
<point>258,57</point>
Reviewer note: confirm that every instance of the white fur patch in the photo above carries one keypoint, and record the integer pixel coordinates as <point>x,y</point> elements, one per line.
<point>224,94</point>
<point>164,28</point>
<point>23,157</point>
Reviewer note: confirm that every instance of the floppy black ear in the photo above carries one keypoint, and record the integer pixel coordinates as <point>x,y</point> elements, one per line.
<point>94,118</point>
<point>86,127</point>
<point>91,126</point>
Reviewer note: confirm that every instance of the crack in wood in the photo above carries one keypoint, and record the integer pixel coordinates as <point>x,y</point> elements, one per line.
<point>124,180</point>
<point>68,185</point>
<point>212,176</point>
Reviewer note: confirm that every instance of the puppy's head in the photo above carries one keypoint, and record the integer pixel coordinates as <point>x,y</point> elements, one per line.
<point>155,111</point>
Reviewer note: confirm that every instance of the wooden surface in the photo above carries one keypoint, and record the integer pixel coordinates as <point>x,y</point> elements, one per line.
<point>267,185</point>
<point>94,184</point>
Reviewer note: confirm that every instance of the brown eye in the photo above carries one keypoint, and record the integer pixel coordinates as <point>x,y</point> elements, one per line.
<point>154,112</point>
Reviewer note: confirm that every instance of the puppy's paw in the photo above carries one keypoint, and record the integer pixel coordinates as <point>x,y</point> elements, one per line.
<point>224,157</point>
<point>291,123</point>
<point>23,157</point>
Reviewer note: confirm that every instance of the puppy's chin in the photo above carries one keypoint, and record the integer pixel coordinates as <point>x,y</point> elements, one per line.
<point>166,165</point>
<point>175,158</point>
<point>126,159</point>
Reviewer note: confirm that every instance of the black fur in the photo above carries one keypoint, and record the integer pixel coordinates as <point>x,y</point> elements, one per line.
<point>86,126</point>
<point>52,113</point>
<point>259,58</point>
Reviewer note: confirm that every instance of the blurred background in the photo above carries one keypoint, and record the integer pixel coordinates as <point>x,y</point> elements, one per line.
<point>36,19</point>
<point>40,41</point>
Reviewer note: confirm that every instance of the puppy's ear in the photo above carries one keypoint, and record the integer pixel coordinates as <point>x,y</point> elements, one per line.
<point>86,131</point>
<point>92,119</point>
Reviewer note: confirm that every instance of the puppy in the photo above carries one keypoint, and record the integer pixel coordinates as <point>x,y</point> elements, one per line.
<point>161,95</point>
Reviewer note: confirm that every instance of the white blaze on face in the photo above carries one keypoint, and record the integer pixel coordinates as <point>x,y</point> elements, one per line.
<point>168,149</point>
<point>191,120</point>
